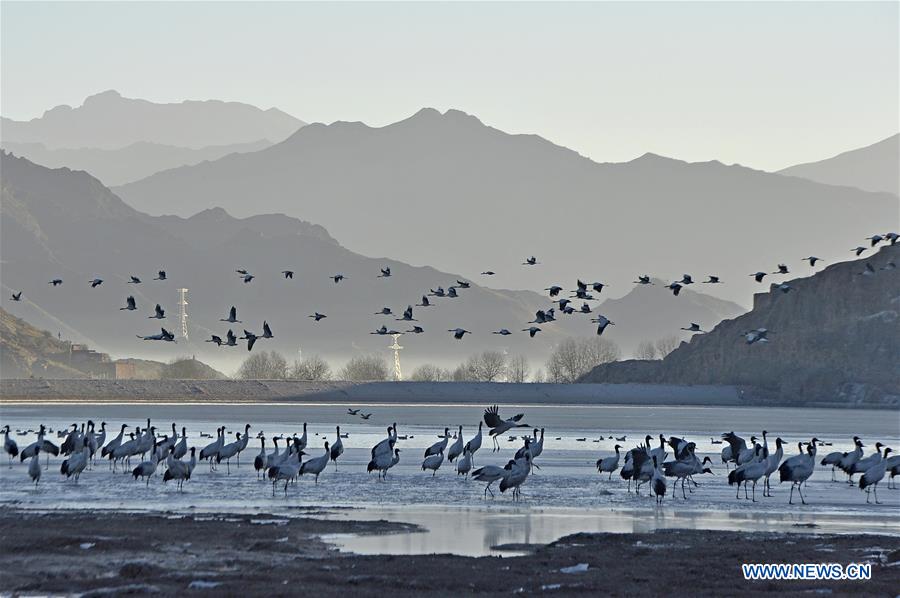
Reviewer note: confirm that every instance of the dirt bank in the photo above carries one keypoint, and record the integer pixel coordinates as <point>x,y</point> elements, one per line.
<point>266,555</point>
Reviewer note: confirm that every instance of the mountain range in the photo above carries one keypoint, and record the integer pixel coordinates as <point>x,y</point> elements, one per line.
<point>833,338</point>
<point>501,198</point>
<point>109,121</point>
<point>872,168</point>
<point>65,224</point>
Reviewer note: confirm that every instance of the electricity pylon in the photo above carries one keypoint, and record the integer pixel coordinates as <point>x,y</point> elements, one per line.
<point>398,373</point>
<point>182,302</point>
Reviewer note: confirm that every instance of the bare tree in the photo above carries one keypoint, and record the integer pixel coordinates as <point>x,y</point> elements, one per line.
<point>489,366</point>
<point>645,350</point>
<point>464,373</point>
<point>574,358</point>
<point>311,368</point>
<point>429,372</point>
<point>517,369</point>
<point>365,367</point>
<point>264,366</point>
<point>666,345</point>
<point>538,377</point>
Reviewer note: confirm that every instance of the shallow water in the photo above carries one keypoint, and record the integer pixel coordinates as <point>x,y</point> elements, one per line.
<point>564,496</point>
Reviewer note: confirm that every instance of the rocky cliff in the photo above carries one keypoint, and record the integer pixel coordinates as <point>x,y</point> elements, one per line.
<point>835,337</point>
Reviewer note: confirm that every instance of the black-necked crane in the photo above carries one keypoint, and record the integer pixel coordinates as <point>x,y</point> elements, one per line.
<point>773,460</point>
<point>782,269</point>
<point>16,296</point>
<point>130,304</point>
<point>474,443</point>
<point>337,448</point>
<point>602,322</point>
<point>462,284</point>
<point>248,278</point>
<point>643,279</point>
<point>164,335</point>
<point>835,458</point>
<point>56,282</point>
<point>518,473</point>
<point>425,302</point>
<point>158,313</point>
<point>760,335</point>
<point>383,461</point>
<point>875,239</point>
<point>232,316</point>
<point>96,282</point>
<point>251,340</point>
<point>530,261</point>
<point>712,280</point>
<point>34,466</point>
<point>214,339</point>
<point>317,316</point>
<point>750,471</point>
<point>858,250</point>
<point>532,330</point>
<point>439,446</point>
<point>134,280</point>
<point>686,279</point>
<point>812,260</point>
<point>160,275</point>
<point>384,311</point>
<point>488,273</point>
<point>433,462</point>
<point>502,332</point>
<point>456,449</point>
<point>491,474</point>
<point>451,293</point>
<point>500,426</point>
<point>554,290</point>
<point>337,278</point>
<point>873,475</point>
<point>416,330</point>
<point>267,331</point>
<point>609,464</point>
<point>758,276</point>
<point>797,470</point>
<point>458,333</point>
<point>407,315</point>
<point>261,460</point>
<point>288,274</point>
<point>385,273</point>
<point>316,465</point>
<point>464,464</point>
<point>9,446</point>
<point>675,288</point>
<point>230,339</point>
<point>694,327</point>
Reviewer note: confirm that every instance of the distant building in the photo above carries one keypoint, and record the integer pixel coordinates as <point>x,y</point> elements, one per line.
<point>125,370</point>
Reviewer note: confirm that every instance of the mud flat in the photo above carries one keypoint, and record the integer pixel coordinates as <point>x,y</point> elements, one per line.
<point>111,553</point>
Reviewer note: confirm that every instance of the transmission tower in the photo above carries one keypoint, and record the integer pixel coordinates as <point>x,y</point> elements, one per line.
<point>398,373</point>
<point>182,303</point>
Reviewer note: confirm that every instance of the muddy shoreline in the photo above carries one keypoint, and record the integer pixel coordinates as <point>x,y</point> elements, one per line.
<point>93,553</point>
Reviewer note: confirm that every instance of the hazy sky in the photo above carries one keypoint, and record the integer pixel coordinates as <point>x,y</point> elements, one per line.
<point>764,84</point>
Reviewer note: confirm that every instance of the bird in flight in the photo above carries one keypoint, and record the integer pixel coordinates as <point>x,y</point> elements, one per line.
<point>812,260</point>
<point>602,322</point>
<point>288,274</point>
<point>488,273</point>
<point>352,411</point>
<point>502,332</point>
<point>96,283</point>
<point>712,280</point>
<point>130,304</point>
<point>17,296</point>
<point>858,250</point>
<point>407,315</point>
<point>248,278</point>
<point>694,327</point>
<point>337,278</point>
<point>385,273</point>
<point>161,275</point>
<point>675,288</point>
<point>164,335</point>
<point>317,316</point>
<point>686,279</point>
<point>365,415</point>
<point>645,279</point>
<point>531,331</point>
<point>56,282</point>
<point>159,313</point>
<point>425,302</point>
<point>215,339</point>
<point>531,261</point>
<point>267,332</point>
<point>554,290</point>
<point>250,338</point>
<point>232,316</point>
<point>458,333</point>
<point>384,311</point>
<point>231,339</point>
<point>416,330</point>
<point>451,293</point>
<point>134,280</point>
<point>782,269</point>
<point>462,284</point>
<point>758,276</point>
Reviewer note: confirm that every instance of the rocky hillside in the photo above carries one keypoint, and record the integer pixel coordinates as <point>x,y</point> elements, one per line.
<point>27,351</point>
<point>834,338</point>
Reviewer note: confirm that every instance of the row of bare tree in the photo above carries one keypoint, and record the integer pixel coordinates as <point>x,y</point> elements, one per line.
<point>570,360</point>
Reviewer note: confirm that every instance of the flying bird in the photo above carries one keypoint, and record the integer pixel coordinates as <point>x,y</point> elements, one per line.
<point>337,278</point>
<point>250,338</point>
<point>712,280</point>
<point>130,305</point>
<point>812,260</point>
<point>425,302</point>
<point>385,311</point>
<point>232,316</point>
<point>532,261</point>
<point>288,274</point>
<point>488,273</point>
<point>758,276</point>
<point>134,280</point>
<point>215,339</point>
<point>602,322</point>
<point>248,278</point>
<point>756,336</point>
<point>385,273</point>
<point>782,269</point>
<point>858,250</point>
<point>451,293</point>
<point>242,272</point>
<point>159,313</point>
<point>317,316</point>
<point>531,331</point>
<point>462,284</point>
<point>56,282</point>
<point>694,327</point>
<point>384,330</point>
<point>499,426</point>
<point>267,332</point>
<point>231,339</point>
<point>407,315</point>
<point>502,332</point>
<point>458,333</point>
<point>96,283</point>
<point>17,296</point>
<point>686,279</point>
<point>164,335</point>
<point>417,330</point>
<point>161,275</point>
<point>875,239</point>
<point>643,280</point>
<point>675,288</point>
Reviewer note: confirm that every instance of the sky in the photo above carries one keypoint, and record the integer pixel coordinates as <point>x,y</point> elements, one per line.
<point>766,84</point>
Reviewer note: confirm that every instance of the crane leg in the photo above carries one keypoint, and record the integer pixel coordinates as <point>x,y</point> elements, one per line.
<point>875,492</point>
<point>800,492</point>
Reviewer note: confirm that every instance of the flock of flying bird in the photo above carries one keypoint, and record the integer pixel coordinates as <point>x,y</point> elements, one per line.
<point>583,292</point>
<point>644,464</point>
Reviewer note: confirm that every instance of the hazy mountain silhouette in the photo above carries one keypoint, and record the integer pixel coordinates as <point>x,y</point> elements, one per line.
<point>130,163</point>
<point>446,190</point>
<point>872,168</point>
<point>109,121</point>
<point>59,223</point>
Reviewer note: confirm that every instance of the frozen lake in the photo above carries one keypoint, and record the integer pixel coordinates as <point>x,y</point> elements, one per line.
<point>566,495</point>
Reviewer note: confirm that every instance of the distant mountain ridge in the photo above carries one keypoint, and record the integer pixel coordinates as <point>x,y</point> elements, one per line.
<point>54,221</point>
<point>129,163</point>
<point>834,338</point>
<point>872,168</point>
<point>502,197</point>
<point>109,121</point>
